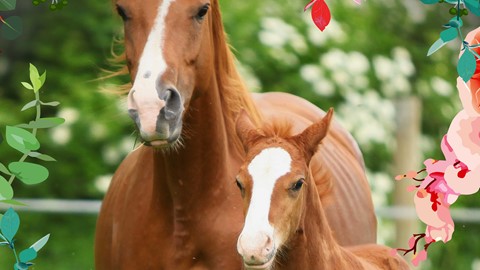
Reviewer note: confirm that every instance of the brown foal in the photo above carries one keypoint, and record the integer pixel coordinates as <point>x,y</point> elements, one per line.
<point>286,226</point>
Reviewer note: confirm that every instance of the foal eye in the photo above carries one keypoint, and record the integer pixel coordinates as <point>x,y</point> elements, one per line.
<point>298,185</point>
<point>202,12</point>
<point>122,13</point>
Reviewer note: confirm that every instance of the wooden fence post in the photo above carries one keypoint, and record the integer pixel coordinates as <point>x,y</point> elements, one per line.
<point>407,157</point>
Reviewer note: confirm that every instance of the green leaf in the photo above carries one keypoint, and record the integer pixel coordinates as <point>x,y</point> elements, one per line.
<point>1,138</point>
<point>473,6</point>
<point>466,65</point>
<point>448,34</point>
<point>6,5</point>
<point>13,202</point>
<point>473,3</point>
<point>1,216</point>
<point>43,77</point>
<point>4,169</point>
<point>29,105</point>
<point>27,85</point>
<point>429,2</point>
<point>35,78</point>
<point>11,28</point>
<point>20,266</point>
<point>27,255</point>
<point>455,22</point>
<point>6,191</point>
<point>40,243</point>
<point>28,173</point>
<point>41,156</point>
<point>47,122</point>
<point>436,46</point>
<point>53,103</point>
<point>10,223</point>
<point>21,139</point>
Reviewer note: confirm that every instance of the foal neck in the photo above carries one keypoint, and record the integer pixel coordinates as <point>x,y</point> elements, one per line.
<point>313,245</point>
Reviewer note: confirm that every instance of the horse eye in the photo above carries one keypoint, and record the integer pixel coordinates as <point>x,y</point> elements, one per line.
<point>240,186</point>
<point>297,185</point>
<point>122,13</point>
<point>202,12</point>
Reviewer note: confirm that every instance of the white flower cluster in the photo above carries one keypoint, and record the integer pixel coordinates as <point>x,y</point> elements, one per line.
<point>62,134</point>
<point>283,40</point>
<point>394,73</point>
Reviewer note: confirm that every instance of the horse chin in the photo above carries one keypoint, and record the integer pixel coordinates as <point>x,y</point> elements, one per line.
<point>265,266</point>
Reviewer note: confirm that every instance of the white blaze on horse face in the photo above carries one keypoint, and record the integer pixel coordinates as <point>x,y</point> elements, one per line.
<point>151,66</point>
<point>265,169</point>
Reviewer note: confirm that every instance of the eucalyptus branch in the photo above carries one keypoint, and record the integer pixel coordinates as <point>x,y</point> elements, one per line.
<point>19,138</point>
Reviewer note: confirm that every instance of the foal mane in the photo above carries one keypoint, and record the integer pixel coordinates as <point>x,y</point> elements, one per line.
<point>279,128</point>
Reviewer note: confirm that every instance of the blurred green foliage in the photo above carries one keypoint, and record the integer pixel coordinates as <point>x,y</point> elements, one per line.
<point>367,57</point>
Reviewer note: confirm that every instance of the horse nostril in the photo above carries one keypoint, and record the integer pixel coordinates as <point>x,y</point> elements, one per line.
<point>173,104</point>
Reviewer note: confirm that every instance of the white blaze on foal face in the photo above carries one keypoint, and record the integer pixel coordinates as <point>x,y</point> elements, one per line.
<point>265,169</point>
<point>257,241</point>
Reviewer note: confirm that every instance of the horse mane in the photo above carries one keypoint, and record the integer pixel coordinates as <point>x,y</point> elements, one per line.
<point>233,92</point>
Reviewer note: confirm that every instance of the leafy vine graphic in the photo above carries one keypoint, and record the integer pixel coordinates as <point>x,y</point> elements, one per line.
<point>54,4</point>
<point>467,62</point>
<point>24,141</point>
<point>11,27</point>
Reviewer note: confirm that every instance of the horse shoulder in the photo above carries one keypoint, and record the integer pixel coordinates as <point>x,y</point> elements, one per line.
<point>114,206</point>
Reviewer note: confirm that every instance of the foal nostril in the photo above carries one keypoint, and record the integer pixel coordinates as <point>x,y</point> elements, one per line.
<point>173,104</point>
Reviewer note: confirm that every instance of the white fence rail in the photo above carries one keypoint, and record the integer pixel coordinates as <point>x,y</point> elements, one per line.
<point>466,215</point>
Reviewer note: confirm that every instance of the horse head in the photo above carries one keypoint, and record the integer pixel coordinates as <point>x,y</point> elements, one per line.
<point>168,49</point>
<point>271,181</point>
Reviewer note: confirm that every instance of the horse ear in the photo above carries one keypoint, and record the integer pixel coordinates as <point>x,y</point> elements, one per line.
<point>246,130</point>
<point>311,137</point>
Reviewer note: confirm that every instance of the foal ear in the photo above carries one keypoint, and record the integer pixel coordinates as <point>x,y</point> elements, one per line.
<point>311,137</point>
<point>246,130</point>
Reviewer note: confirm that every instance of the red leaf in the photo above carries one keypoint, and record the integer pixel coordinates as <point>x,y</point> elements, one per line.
<point>321,14</point>
<point>309,5</point>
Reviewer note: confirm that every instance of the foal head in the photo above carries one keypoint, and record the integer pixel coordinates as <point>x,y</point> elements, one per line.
<point>272,181</point>
<point>168,49</point>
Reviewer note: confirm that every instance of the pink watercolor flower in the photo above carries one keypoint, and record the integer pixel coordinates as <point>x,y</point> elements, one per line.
<point>419,257</point>
<point>473,85</point>
<point>458,174</point>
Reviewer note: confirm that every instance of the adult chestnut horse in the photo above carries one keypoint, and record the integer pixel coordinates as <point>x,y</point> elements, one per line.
<point>175,205</point>
<point>285,225</point>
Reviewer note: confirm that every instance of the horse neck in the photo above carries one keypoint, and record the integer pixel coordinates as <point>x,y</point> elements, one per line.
<point>211,151</point>
<point>313,243</point>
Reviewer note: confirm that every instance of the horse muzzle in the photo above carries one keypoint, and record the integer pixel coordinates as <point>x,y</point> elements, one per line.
<point>159,117</point>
